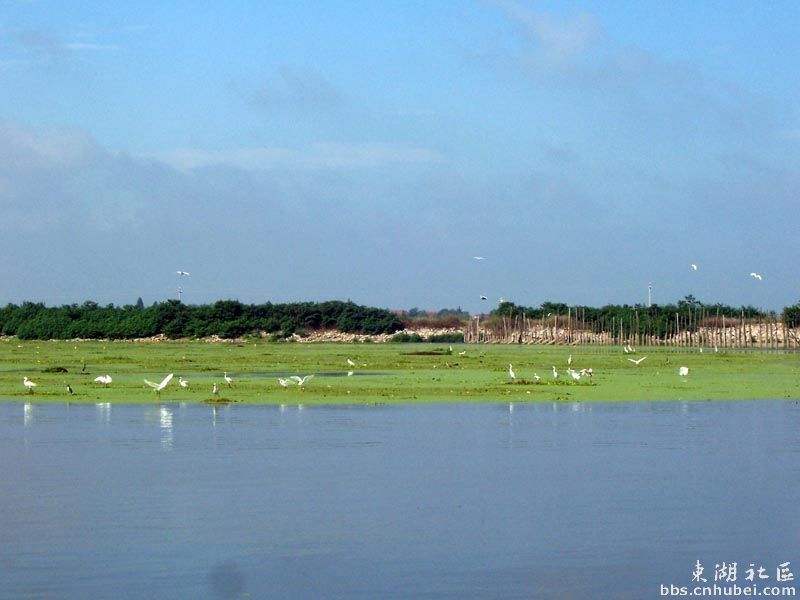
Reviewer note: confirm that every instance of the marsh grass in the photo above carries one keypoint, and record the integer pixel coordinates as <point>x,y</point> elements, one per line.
<point>385,373</point>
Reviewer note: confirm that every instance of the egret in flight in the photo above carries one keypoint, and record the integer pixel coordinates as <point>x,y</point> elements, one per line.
<point>693,267</point>
<point>637,361</point>
<point>104,379</point>
<point>159,386</point>
<point>756,276</point>
<point>182,273</point>
<point>479,257</point>
<point>301,381</point>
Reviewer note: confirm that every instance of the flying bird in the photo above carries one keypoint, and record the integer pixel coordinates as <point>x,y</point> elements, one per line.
<point>511,372</point>
<point>479,257</point>
<point>28,384</point>
<point>301,381</point>
<point>159,386</point>
<point>683,371</point>
<point>484,298</point>
<point>637,361</point>
<point>756,276</point>
<point>693,267</point>
<point>182,273</point>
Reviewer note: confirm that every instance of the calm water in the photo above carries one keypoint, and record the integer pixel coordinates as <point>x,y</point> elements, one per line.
<point>436,501</point>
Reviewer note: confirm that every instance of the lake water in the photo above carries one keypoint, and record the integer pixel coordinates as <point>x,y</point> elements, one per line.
<point>605,500</point>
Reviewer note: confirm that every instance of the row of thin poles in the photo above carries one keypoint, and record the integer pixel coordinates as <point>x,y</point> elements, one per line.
<point>692,329</point>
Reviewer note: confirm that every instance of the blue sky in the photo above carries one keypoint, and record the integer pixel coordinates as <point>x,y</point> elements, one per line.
<point>291,151</point>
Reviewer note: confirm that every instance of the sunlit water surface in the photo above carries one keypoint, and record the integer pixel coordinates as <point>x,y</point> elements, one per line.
<point>436,501</point>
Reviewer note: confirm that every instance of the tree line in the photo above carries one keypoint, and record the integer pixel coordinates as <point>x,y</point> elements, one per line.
<point>224,318</point>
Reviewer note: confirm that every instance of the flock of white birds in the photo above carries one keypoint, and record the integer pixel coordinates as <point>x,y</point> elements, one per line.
<point>588,372</point>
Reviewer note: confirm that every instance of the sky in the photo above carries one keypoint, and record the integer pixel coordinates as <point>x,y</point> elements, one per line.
<point>368,151</point>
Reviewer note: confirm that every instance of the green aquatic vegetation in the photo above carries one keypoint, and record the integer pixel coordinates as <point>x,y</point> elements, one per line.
<point>384,373</point>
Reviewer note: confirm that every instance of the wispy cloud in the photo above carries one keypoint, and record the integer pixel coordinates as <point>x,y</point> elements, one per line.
<point>314,157</point>
<point>296,88</point>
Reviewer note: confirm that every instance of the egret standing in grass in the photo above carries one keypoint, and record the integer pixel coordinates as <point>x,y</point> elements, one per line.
<point>351,363</point>
<point>215,390</point>
<point>511,373</point>
<point>28,384</point>
<point>104,379</point>
<point>555,373</point>
<point>227,379</point>
<point>683,371</point>
<point>283,382</point>
<point>569,359</point>
<point>183,382</point>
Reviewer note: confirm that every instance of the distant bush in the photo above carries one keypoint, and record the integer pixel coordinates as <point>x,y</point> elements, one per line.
<point>449,338</point>
<point>405,338</point>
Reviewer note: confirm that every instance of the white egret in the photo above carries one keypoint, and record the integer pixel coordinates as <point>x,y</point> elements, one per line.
<point>159,386</point>
<point>479,257</point>
<point>555,373</point>
<point>350,373</point>
<point>462,353</point>
<point>351,363</point>
<point>227,379</point>
<point>301,381</point>
<point>683,371</point>
<point>183,382</point>
<point>569,359</point>
<point>104,379</point>
<point>28,384</point>
<point>182,273</point>
<point>536,377</point>
<point>215,390</point>
<point>574,375</point>
<point>283,382</point>
<point>637,361</point>
<point>756,276</point>
<point>511,372</point>
<point>586,372</point>
<point>693,267</point>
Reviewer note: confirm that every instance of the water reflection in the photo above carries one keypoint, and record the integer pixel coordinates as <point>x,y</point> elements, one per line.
<point>27,418</point>
<point>165,421</point>
<point>103,412</point>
